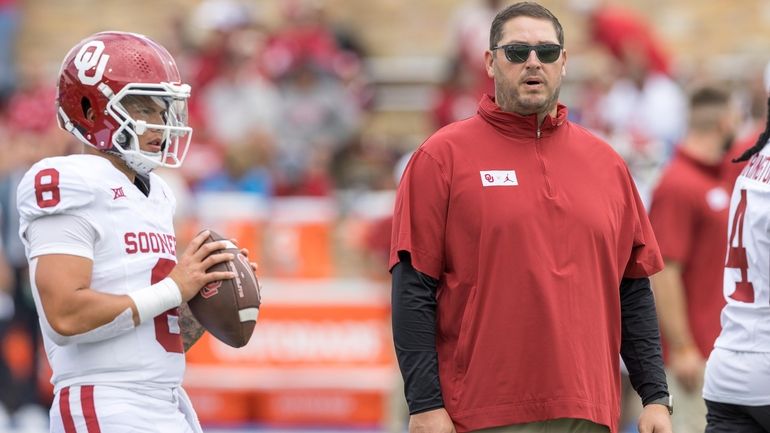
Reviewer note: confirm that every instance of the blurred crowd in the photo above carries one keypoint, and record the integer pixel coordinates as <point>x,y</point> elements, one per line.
<point>280,110</point>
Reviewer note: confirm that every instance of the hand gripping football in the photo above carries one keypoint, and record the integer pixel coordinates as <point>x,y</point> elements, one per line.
<point>228,309</point>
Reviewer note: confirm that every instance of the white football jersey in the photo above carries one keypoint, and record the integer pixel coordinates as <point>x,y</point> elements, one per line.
<point>746,317</point>
<point>134,247</point>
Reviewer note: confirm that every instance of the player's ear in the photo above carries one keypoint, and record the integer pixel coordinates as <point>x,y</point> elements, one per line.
<point>90,115</point>
<point>564,63</point>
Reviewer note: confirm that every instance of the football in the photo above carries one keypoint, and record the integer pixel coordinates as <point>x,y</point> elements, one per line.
<point>228,309</point>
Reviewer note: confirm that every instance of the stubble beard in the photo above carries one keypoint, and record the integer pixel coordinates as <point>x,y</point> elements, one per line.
<point>510,100</point>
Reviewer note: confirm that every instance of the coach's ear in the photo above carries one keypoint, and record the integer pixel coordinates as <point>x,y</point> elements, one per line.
<point>489,59</point>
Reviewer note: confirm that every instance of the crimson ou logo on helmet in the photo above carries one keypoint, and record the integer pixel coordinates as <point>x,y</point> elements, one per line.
<point>91,56</point>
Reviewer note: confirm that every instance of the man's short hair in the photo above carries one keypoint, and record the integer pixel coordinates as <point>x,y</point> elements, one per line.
<point>707,105</point>
<point>522,9</point>
<point>708,95</point>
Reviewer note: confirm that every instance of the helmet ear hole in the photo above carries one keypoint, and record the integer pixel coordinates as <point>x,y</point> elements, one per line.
<point>85,104</point>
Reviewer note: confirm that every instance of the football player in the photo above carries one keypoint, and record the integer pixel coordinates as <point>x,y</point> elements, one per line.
<point>737,378</point>
<point>99,239</point>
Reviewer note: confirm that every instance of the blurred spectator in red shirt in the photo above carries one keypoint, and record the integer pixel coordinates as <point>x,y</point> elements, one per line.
<point>317,118</point>
<point>304,37</point>
<point>307,36</point>
<point>469,38</point>
<point>456,98</point>
<point>644,100</point>
<point>214,34</point>
<point>239,105</point>
<point>689,215</point>
<point>626,35</point>
<point>214,22</point>
<point>644,110</point>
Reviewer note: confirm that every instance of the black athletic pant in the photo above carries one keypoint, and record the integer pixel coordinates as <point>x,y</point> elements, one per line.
<point>735,418</point>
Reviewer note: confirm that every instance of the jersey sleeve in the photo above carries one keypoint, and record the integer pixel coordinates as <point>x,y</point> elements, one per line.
<point>419,220</point>
<point>61,234</point>
<point>52,187</point>
<point>645,259</point>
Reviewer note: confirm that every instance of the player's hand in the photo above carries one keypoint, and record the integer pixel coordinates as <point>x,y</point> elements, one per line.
<point>688,366</point>
<point>245,253</point>
<point>655,419</point>
<point>190,271</point>
<point>432,421</point>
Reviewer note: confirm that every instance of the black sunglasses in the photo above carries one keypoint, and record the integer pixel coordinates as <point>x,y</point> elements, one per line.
<point>519,53</point>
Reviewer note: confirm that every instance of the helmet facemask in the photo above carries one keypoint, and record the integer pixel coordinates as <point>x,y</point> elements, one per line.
<point>142,108</point>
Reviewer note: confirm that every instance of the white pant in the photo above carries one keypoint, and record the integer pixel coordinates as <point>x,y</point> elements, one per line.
<point>108,409</point>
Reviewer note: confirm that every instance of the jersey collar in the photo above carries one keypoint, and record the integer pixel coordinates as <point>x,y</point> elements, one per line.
<point>517,125</point>
<point>712,170</point>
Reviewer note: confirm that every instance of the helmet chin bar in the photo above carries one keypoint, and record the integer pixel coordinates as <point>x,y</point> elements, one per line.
<point>176,134</point>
